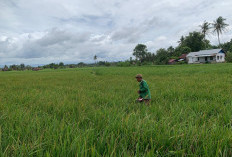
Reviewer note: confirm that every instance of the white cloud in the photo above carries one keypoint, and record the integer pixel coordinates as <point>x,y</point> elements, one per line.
<point>74,30</point>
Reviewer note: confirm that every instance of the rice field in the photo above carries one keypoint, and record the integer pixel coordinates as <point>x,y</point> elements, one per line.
<point>92,112</point>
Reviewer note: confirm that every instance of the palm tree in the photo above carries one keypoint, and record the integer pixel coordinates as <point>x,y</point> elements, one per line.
<point>95,58</point>
<point>181,40</point>
<point>219,26</point>
<point>205,27</point>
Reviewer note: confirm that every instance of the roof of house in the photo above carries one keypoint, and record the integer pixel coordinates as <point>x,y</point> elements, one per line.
<point>171,60</point>
<point>183,56</point>
<point>203,53</point>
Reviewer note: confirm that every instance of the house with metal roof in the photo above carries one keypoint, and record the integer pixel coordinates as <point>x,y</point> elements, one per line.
<point>206,56</point>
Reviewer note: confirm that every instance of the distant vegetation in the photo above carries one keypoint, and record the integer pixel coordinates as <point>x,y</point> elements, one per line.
<point>193,42</point>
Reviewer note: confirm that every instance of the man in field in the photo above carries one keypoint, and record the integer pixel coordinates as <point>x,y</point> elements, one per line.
<point>144,92</point>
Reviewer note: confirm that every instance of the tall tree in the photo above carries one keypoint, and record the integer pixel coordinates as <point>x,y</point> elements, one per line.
<point>95,58</point>
<point>195,41</point>
<point>161,56</point>
<point>171,51</point>
<point>22,66</point>
<point>219,26</point>
<point>185,50</point>
<point>140,52</point>
<point>205,27</point>
<point>61,64</point>
<point>181,50</point>
<point>13,67</point>
<point>181,41</point>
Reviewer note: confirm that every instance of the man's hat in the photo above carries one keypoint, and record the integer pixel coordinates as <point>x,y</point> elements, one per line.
<point>139,76</point>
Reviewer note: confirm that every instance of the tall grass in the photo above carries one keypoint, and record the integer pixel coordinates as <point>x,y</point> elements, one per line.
<point>81,112</point>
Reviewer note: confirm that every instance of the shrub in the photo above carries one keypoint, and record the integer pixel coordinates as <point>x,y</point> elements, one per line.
<point>229,57</point>
<point>124,64</point>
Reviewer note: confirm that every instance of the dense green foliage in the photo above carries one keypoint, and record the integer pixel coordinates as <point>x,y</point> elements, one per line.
<point>229,57</point>
<point>140,52</point>
<point>161,56</point>
<point>227,47</point>
<point>91,112</point>
<point>194,41</point>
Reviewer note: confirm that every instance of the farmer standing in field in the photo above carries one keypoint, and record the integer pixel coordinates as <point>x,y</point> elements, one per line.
<point>144,92</point>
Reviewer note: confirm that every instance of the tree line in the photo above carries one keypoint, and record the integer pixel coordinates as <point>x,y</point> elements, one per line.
<point>60,65</point>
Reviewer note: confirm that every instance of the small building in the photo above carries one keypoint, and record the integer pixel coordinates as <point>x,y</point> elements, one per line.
<point>36,69</point>
<point>182,57</point>
<point>206,56</point>
<point>172,61</point>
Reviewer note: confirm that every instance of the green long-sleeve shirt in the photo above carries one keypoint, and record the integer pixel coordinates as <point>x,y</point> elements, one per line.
<point>144,90</point>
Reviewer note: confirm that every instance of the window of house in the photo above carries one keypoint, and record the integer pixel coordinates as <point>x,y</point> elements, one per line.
<point>198,58</point>
<point>217,57</point>
<point>211,58</point>
<point>221,57</point>
<point>206,58</point>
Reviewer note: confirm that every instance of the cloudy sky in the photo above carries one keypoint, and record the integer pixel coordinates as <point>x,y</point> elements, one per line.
<point>45,31</point>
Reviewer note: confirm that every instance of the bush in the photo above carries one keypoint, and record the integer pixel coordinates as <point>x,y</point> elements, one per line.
<point>138,63</point>
<point>107,64</point>
<point>181,62</point>
<point>173,57</point>
<point>124,64</point>
<point>146,63</point>
<point>229,57</point>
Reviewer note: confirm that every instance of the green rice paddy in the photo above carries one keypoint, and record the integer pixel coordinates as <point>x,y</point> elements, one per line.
<point>92,112</point>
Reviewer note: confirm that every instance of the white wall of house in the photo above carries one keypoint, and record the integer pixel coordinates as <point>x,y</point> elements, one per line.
<point>192,60</point>
<point>220,57</point>
<point>207,59</point>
